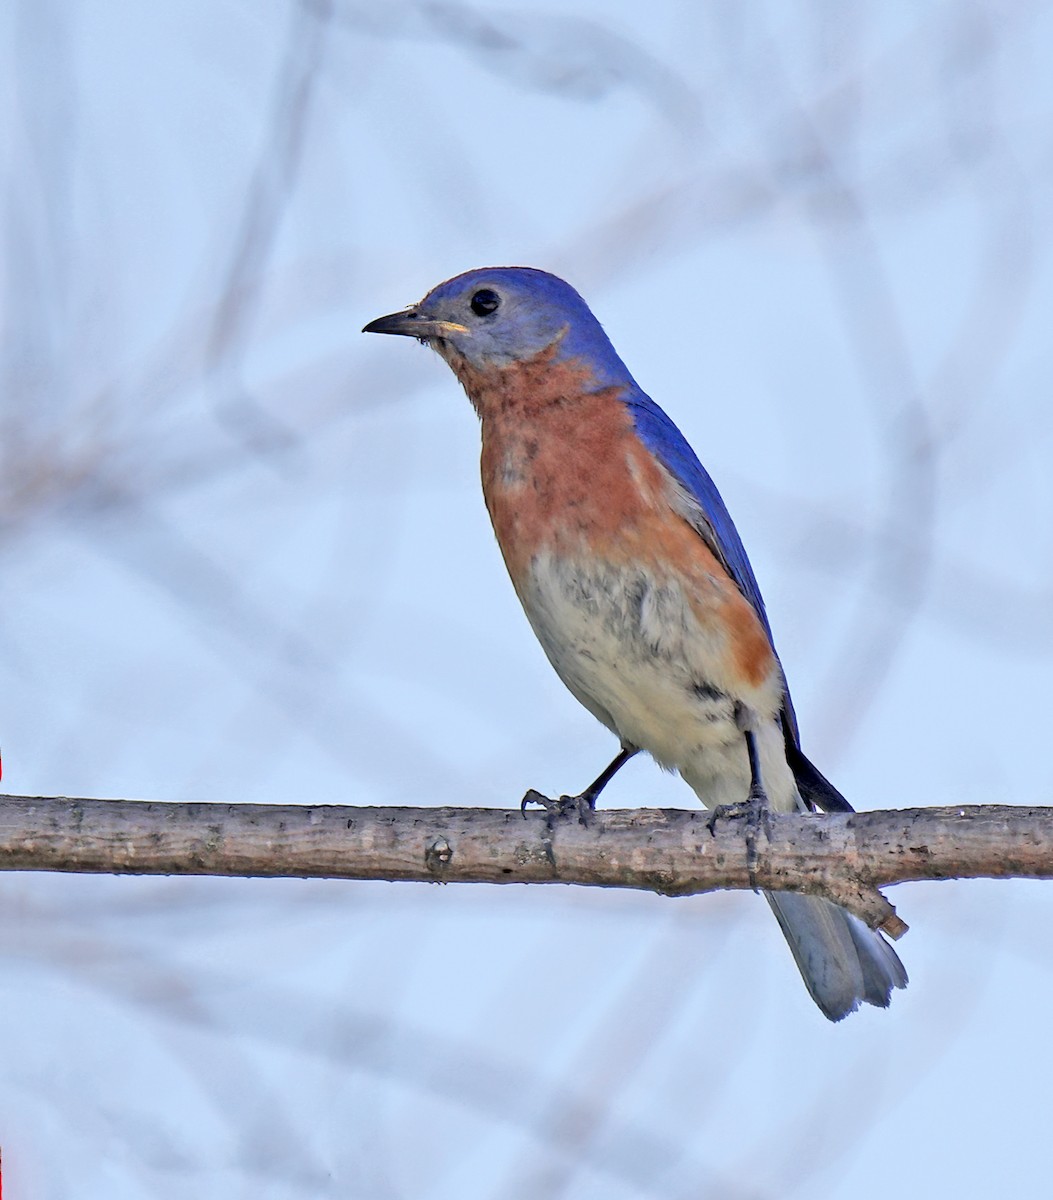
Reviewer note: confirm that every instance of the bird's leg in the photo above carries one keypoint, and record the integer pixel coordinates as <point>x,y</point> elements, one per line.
<point>591,794</point>
<point>585,802</point>
<point>755,807</point>
<point>757,793</point>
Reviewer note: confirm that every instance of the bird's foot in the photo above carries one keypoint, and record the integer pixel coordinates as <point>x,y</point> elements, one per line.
<point>565,806</point>
<point>584,804</point>
<point>757,815</point>
<point>754,809</point>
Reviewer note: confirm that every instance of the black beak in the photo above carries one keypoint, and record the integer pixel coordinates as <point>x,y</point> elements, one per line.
<point>411,322</point>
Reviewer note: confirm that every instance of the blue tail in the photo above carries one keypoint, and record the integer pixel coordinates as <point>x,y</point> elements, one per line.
<point>842,962</point>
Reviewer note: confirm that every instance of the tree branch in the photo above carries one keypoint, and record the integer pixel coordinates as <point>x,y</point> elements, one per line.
<point>845,857</point>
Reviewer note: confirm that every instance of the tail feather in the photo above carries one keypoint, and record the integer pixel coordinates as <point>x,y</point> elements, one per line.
<point>842,962</point>
<point>882,969</point>
<point>816,790</point>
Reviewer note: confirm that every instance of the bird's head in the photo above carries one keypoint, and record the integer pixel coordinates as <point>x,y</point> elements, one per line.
<point>496,317</point>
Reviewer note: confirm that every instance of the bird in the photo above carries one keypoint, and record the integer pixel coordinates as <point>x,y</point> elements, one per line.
<point>635,580</point>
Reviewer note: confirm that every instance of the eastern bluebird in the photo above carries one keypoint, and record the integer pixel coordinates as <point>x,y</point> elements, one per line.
<point>634,578</point>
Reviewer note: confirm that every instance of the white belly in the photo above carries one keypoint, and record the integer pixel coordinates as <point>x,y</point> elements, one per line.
<point>642,660</point>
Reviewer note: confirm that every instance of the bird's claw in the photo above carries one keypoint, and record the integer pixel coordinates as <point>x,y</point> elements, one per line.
<point>753,809</point>
<point>757,815</point>
<point>561,808</point>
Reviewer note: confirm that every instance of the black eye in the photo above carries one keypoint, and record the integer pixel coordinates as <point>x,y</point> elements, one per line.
<point>484,302</point>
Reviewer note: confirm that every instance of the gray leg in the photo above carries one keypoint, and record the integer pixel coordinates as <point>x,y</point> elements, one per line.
<point>757,792</point>
<point>755,807</point>
<point>585,802</point>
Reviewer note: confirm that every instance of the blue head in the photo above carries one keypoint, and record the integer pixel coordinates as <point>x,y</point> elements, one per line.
<point>494,317</point>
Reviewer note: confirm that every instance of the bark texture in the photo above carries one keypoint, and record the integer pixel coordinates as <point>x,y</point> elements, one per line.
<point>845,857</point>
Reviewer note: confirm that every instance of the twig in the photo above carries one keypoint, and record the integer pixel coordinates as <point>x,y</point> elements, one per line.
<point>845,857</point>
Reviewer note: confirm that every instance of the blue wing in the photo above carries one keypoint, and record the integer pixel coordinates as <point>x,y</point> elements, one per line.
<point>670,447</point>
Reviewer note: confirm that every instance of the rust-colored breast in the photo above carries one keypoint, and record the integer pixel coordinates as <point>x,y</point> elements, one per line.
<point>563,472</point>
